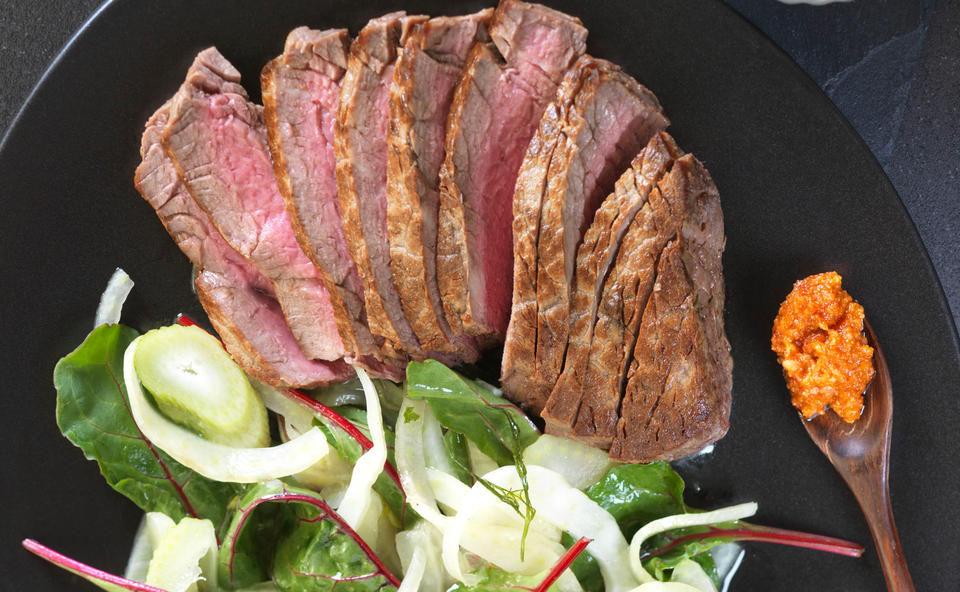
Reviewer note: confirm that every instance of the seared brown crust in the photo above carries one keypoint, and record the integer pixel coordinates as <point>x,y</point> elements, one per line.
<point>598,122</point>
<point>595,258</point>
<point>678,393</point>
<point>519,377</point>
<point>423,81</point>
<point>620,309</point>
<point>371,55</point>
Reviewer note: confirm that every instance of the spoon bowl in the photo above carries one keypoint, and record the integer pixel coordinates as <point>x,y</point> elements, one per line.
<point>860,451</point>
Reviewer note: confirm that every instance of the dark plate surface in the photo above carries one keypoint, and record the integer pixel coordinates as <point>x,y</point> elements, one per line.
<point>801,194</point>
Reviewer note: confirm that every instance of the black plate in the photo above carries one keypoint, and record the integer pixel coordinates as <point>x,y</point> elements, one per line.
<point>801,194</point>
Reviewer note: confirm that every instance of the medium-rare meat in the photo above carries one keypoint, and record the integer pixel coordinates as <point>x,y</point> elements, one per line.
<point>595,257</point>
<point>503,90</point>
<point>598,122</point>
<point>217,141</point>
<point>301,90</point>
<point>424,77</point>
<point>360,144</point>
<point>678,393</point>
<point>238,300</point>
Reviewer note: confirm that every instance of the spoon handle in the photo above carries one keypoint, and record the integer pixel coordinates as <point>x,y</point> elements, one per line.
<point>869,484</point>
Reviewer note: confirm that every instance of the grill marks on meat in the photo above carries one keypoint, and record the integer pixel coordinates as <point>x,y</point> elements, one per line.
<point>237,298</point>
<point>424,78</point>
<point>361,153</point>
<point>678,393</point>
<point>301,90</point>
<point>503,90</point>
<point>599,121</point>
<point>217,142</point>
<point>595,258</point>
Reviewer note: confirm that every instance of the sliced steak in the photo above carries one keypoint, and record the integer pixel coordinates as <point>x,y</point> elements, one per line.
<point>598,122</point>
<point>238,300</point>
<point>595,258</point>
<point>678,393</point>
<point>217,141</point>
<point>423,81</point>
<point>360,144</point>
<point>301,90</point>
<point>502,93</point>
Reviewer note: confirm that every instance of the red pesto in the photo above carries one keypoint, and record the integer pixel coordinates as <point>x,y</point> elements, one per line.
<point>819,341</point>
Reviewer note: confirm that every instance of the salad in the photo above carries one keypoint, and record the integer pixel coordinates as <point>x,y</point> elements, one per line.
<point>437,484</point>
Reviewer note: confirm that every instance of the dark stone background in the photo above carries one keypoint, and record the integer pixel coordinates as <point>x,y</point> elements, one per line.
<point>891,66</point>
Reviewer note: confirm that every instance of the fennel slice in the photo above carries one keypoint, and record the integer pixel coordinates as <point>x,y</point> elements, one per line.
<point>186,558</point>
<point>195,382</point>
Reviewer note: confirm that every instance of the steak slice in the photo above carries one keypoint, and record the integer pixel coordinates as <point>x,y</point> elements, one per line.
<point>502,93</point>
<point>678,394</point>
<point>238,300</point>
<point>598,122</point>
<point>361,150</point>
<point>217,141</point>
<point>301,90</point>
<point>596,256</point>
<point>423,81</point>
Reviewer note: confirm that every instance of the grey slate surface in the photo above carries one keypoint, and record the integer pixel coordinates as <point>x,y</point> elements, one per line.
<point>891,66</point>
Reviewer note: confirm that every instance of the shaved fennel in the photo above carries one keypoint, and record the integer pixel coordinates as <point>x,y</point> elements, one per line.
<point>112,299</point>
<point>681,521</point>
<point>358,500</point>
<point>412,464</point>
<point>185,560</point>
<point>152,528</point>
<point>217,461</point>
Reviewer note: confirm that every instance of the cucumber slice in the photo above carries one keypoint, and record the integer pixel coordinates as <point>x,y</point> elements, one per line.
<point>186,558</point>
<point>195,383</point>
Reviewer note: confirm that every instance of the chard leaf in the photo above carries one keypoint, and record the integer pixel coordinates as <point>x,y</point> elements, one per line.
<point>455,445</point>
<point>493,579</point>
<point>351,450</point>
<point>637,494</point>
<point>497,427</point>
<point>94,414</point>
<point>250,542</point>
<point>317,550</point>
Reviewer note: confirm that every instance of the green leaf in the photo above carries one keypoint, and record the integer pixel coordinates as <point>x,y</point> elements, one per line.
<point>493,579</point>
<point>250,542</point>
<point>637,494</point>
<point>93,413</point>
<point>491,422</point>
<point>455,445</point>
<point>300,541</point>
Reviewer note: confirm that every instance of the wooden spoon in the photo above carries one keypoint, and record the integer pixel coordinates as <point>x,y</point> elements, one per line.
<point>860,451</point>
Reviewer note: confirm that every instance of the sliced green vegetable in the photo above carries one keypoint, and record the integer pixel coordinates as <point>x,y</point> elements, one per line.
<point>94,414</point>
<point>580,465</point>
<point>145,542</point>
<point>213,460</point>
<point>185,560</point>
<point>195,382</point>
